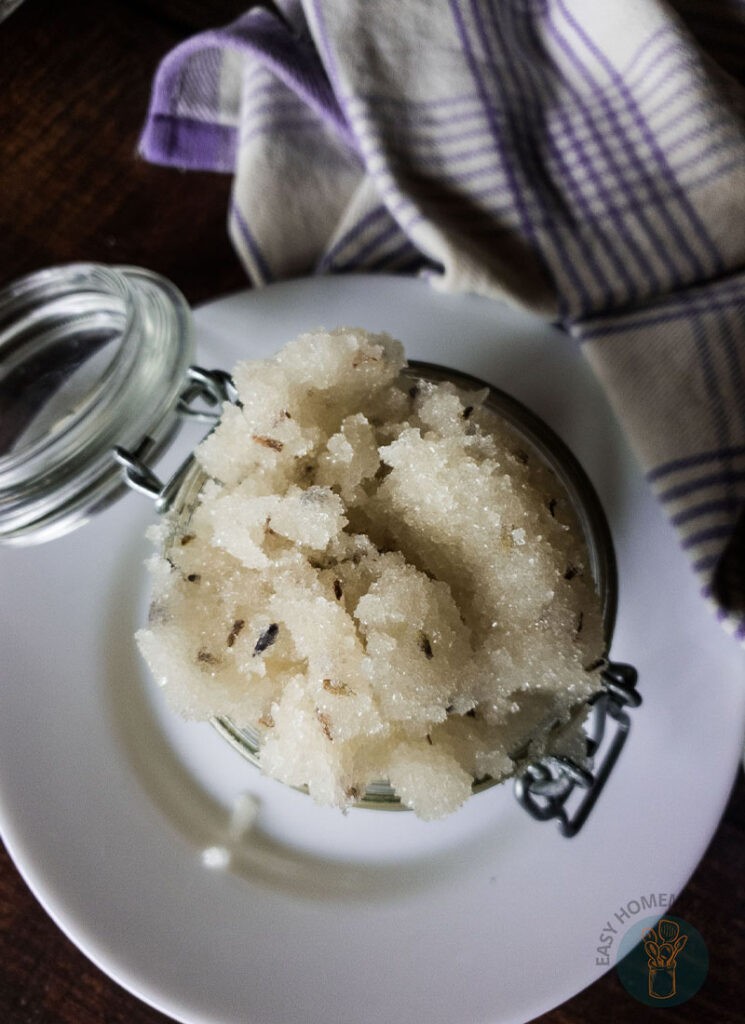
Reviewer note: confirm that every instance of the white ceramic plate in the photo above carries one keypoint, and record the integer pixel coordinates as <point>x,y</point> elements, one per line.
<point>108,803</point>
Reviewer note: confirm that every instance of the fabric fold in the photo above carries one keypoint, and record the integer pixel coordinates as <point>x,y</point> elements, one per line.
<point>585,161</point>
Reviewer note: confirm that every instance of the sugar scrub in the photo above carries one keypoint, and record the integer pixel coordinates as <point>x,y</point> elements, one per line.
<point>379,578</point>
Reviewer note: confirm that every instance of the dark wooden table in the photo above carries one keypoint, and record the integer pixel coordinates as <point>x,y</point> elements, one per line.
<point>74,83</point>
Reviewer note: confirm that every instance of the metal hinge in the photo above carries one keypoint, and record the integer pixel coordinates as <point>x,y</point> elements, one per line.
<point>212,387</point>
<point>546,785</point>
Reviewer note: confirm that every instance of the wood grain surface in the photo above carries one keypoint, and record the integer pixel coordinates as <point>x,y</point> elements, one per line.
<point>74,84</point>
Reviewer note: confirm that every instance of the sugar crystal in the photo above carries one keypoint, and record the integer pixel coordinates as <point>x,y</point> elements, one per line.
<point>380,577</point>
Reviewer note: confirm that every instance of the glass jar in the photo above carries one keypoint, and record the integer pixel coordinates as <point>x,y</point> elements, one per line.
<point>90,357</point>
<point>94,371</point>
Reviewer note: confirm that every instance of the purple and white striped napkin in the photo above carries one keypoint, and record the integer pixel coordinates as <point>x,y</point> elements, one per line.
<point>584,160</point>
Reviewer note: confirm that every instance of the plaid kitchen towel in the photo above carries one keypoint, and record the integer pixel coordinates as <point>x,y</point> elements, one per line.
<point>583,159</point>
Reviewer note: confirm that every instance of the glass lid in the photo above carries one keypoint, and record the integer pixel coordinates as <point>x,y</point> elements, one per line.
<point>91,357</point>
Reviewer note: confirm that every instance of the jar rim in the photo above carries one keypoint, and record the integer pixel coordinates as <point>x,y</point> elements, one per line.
<point>91,356</point>
<point>25,301</point>
<point>185,487</point>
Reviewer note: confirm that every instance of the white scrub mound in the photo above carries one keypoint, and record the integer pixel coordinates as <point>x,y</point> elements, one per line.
<point>379,577</point>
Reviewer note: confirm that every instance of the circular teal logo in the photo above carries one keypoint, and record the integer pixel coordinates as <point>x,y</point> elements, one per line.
<point>662,963</point>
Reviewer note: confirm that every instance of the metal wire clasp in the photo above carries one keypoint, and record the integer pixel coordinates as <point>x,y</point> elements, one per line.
<point>212,387</point>
<point>545,786</point>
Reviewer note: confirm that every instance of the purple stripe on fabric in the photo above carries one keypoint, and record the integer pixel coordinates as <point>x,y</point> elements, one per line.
<point>678,91</point>
<point>705,563</point>
<point>564,138</point>
<point>355,264</point>
<point>402,203</point>
<point>739,633</point>
<point>706,129</point>
<point>295,62</point>
<point>713,480</point>
<point>705,508</point>
<point>191,145</point>
<point>629,204</point>
<point>411,266</point>
<point>412,174</point>
<point>678,118</point>
<point>511,45</point>
<point>705,295</point>
<point>717,405</point>
<point>719,172</point>
<point>445,101</point>
<point>723,146</point>
<point>659,156</point>
<point>259,73</point>
<point>640,213</point>
<point>635,249</point>
<point>272,88</point>
<point>662,75</point>
<point>351,235</point>
<point>538,69</point>
<point>416,122</point>
<point>199,91</point>
<point>695,160</point>
<point>412,135</point>
<point>476,220</point>
<point>376,132</point>
<point>612,210</point>
<point>691,461</point>
<point>358,258</point>
<point>251,244</point>
<point>261,35</point>
<point>733,351</point>
<point>473,194</point>
<point>525,220</point>
<point>325,47</point>
<point>397,202</point>
<point>720,532</point>
<point>405,169</point>
<point>463,154</point>
<point>604,203</point>
<point>662,33</point>
<point>332,72</point>
<point>281,105</point>
<point>675,121</point>
<point>642,87</point>
<point>655,320</point>
<point>463,177</point>
<point>389,259</point>
<point>432,105</point>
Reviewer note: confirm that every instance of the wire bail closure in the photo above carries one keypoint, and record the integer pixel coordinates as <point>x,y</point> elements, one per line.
<point>212,387</point>
<point>546,785</point>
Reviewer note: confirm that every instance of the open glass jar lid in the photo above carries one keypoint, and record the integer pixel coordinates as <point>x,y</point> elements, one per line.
<point>90,357</point>
<point>94,371</point>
